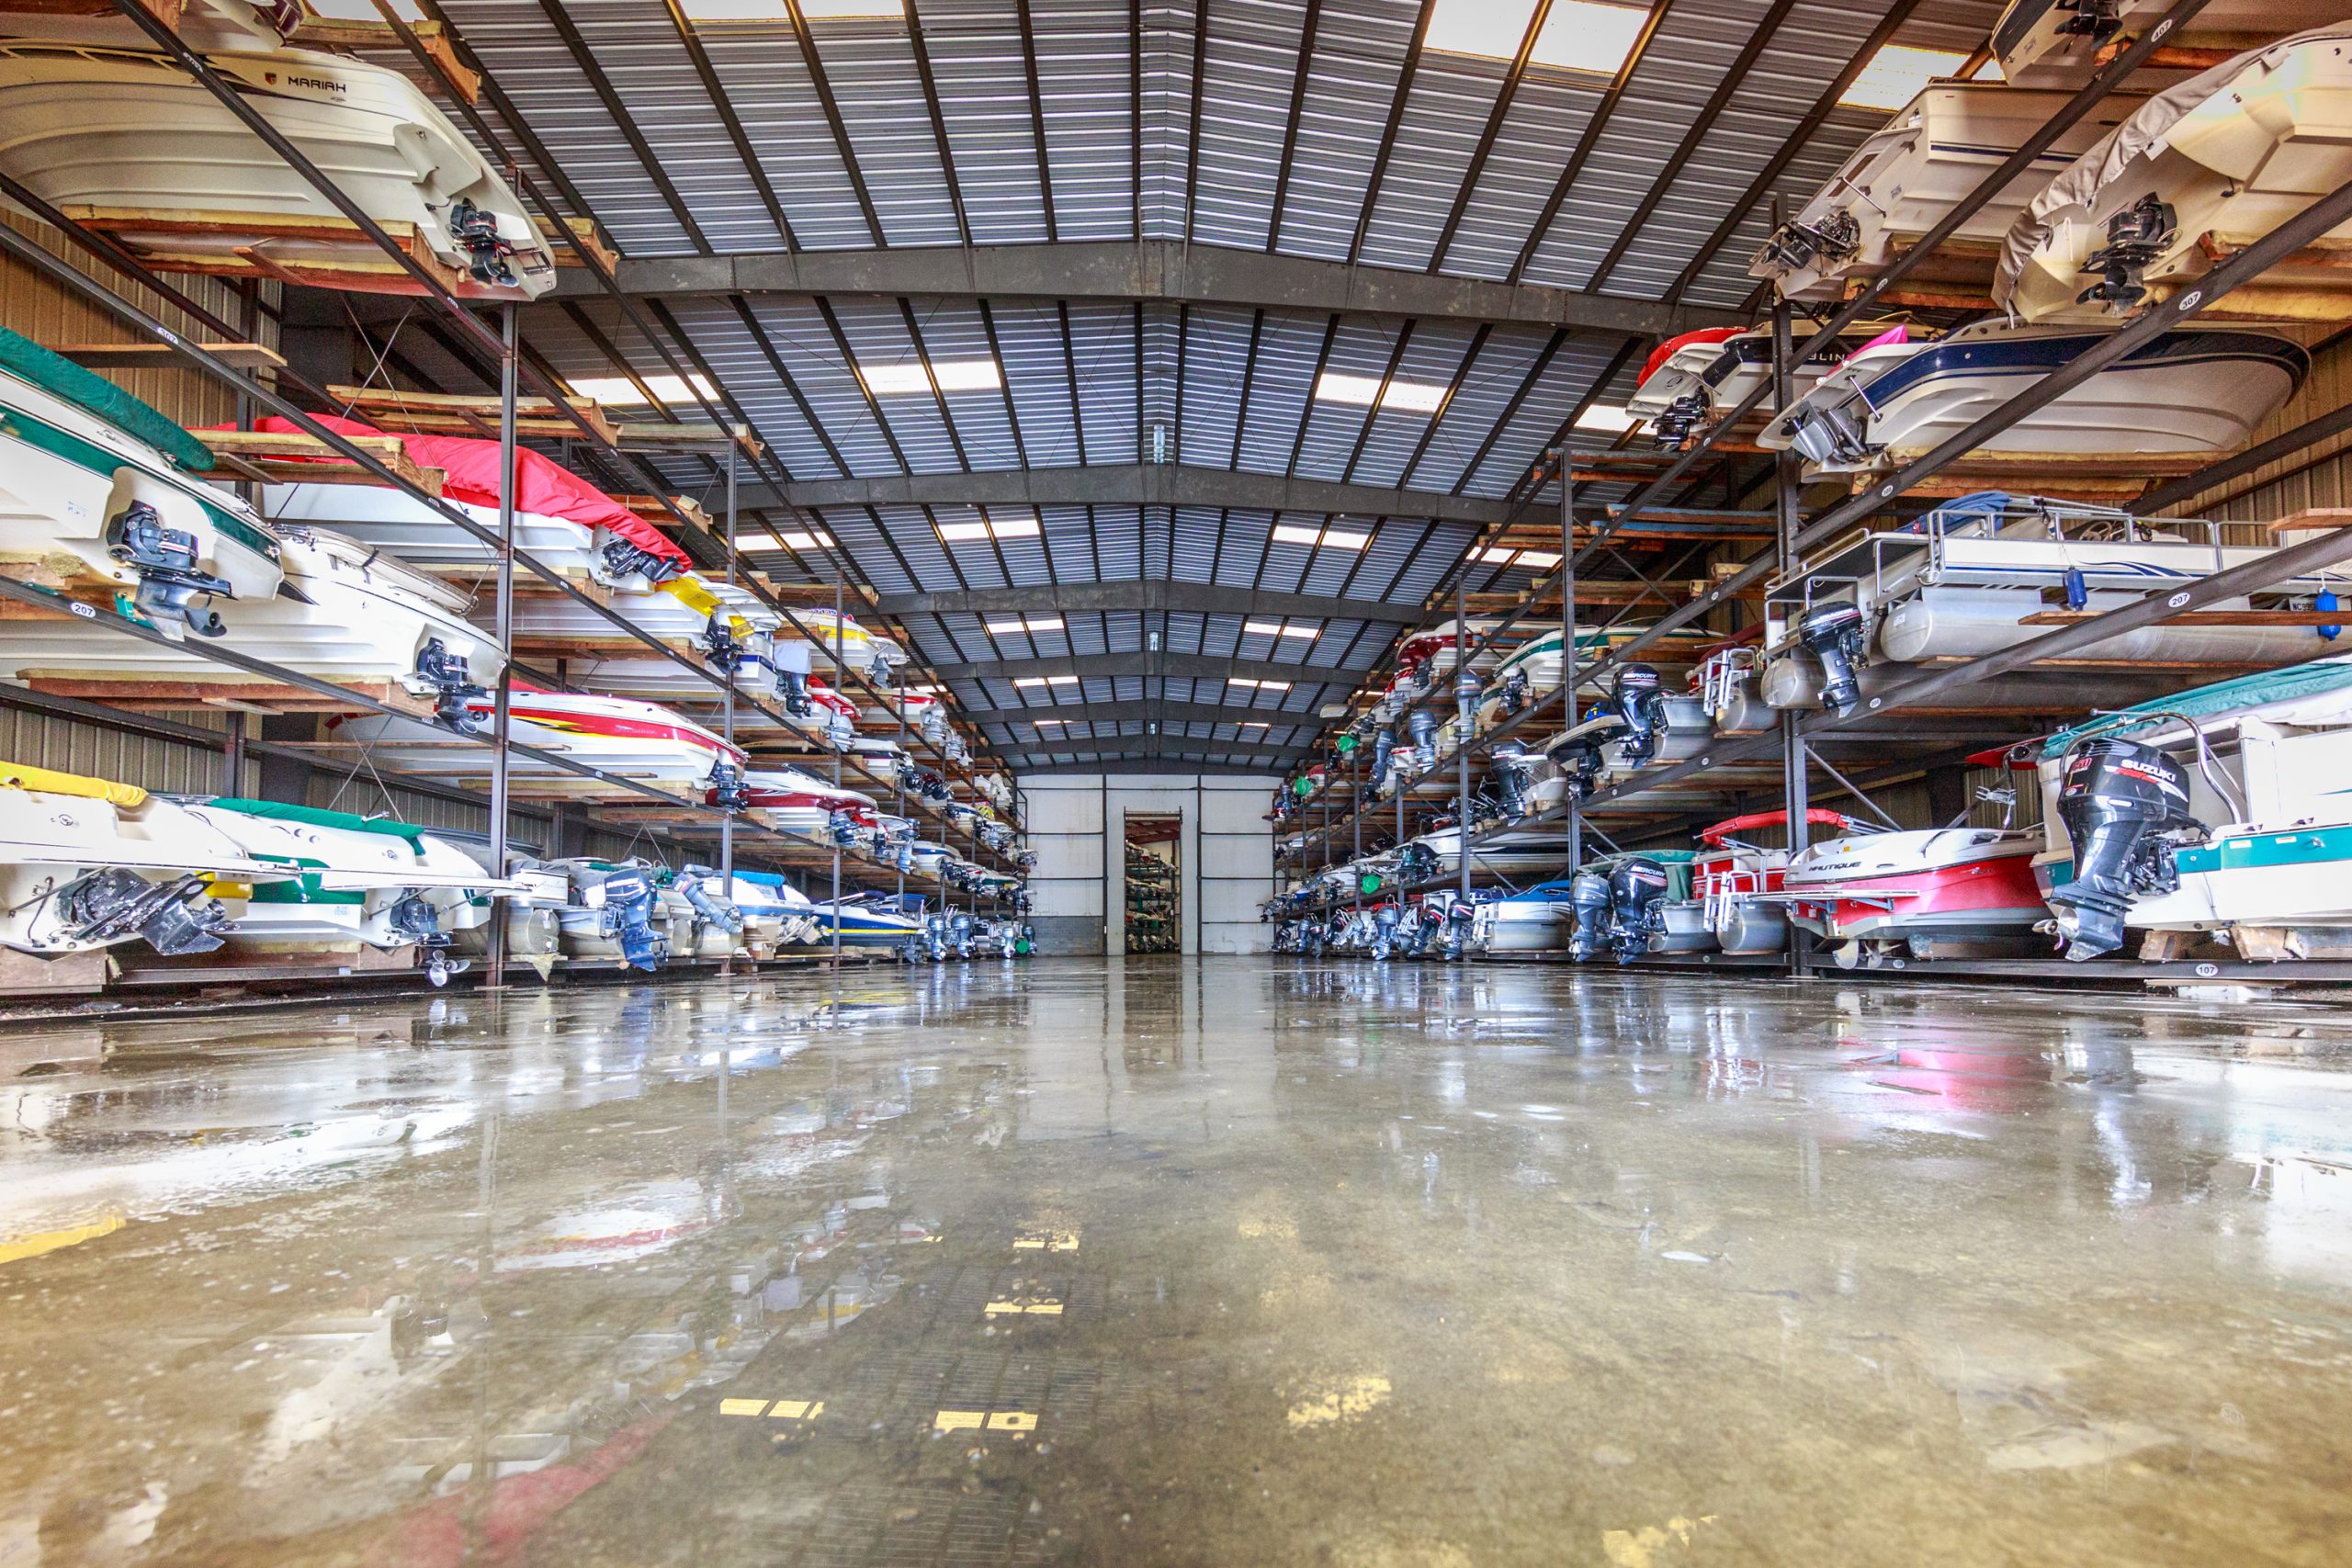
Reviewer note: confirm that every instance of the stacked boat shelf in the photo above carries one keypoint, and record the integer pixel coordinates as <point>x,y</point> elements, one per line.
<point>345,569</point>
<point>2124,720</point>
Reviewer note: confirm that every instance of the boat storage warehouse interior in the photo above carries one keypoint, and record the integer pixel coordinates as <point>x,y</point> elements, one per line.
<point>1376,784</point>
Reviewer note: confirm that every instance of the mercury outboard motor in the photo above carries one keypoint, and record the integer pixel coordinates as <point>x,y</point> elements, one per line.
<point>1638,701</point>
<point>164,559</point>
<point>174,917</point>
<point>452,684</point>
<point>1637,888</point>
<point>1421,729</point>
<point>487,253</point>
<point>628,916</point>
<point>2125,808</point>
<point>1795,245</point>
<point>1589,897</point>
<point>1514,767</point>
<point>1834,633</point>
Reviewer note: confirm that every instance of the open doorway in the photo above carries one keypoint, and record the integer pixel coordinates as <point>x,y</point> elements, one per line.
<point>1155,882</point>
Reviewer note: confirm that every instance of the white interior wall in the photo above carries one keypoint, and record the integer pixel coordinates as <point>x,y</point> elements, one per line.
<point>1225,858</point>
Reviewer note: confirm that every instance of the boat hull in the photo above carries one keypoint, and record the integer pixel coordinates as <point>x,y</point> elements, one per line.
<point>1954,887</point>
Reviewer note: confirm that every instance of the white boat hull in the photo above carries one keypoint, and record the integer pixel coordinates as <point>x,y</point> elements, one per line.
<point>129,132</point>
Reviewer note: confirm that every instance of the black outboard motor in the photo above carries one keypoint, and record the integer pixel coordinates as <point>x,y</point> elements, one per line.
<point>628,916</point>
<point>1580,761</point>
<point>1834,633</point>
<point>1510,697</point>
<point>1460,916</point>
<point>1795,245</point>
<point>164,559</point>
<point>1589,897</point>
<point>452,685</point>
<point>722,649</point>
<point>174,917</point>
<point>1636,889</point>
<point>1673,427</point>
<point>622,558</point>
<point>1514,767</point>
<point>1421,729</point>
<point>487,251</point>
<point>729,792</point>
<point>1638,701</point>
<point>2125,808</point>
<point>1416,862</point>
<point>2135,236</point>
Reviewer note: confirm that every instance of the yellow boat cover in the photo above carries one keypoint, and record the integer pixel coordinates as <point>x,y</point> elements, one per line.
<point>15,776</point>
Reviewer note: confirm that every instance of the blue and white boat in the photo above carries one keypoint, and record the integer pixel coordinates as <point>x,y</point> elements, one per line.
<point>870,921</point>
<point>2188,391</point>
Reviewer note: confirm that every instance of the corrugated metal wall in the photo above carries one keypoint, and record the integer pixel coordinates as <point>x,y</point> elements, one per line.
<point>71,746</point>
<point>45,312</point>
<point>2318,476</point>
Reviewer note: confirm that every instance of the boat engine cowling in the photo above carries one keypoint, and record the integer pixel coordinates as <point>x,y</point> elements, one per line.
<point>2125,808</point>
<point>1384,928</point>
<point>693,886</point>
<point>1588,899</point>
<point>446,675</point>
<point>419,922</point>
<point>1636,891</point>
<point>164,559</point>
<point>628,916</point>
<point>1642,704</point>
<point>1514,768</point>
<point>1835,633</point>
<point>1421,729</point>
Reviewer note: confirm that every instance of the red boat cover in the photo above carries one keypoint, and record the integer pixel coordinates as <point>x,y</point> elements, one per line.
<point>541,485</point>
<point>1674,346</point>
<point>1818,816</point>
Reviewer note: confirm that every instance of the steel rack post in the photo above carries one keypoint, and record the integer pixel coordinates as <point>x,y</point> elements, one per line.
<point>502,700</point>
<point>1568,644</point>
<point>1795,762</point>
<point>1462,708</point>
<point>841,667</point>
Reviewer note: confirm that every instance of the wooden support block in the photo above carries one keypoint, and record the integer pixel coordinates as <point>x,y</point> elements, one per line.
<point>295,458</point>
<point>72,974</point>
<point>2312,518</point>
<point>449,413</point>
<point>149,355</point>
<point>336,32</point>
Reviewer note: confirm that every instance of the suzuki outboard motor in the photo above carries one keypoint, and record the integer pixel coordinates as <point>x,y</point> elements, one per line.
<point>1642,706</point>
<point>1834,633</point>
<point>2125,808</point>
<point>1514,767</point>
<point>1421,729</point>
<point>164,559</point>
<point>1589,897</point>
<point>628,916</point>
<point>1637,888</point>
<point>173,917</point>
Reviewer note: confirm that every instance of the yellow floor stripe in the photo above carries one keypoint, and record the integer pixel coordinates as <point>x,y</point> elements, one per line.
<point>51,1241</point>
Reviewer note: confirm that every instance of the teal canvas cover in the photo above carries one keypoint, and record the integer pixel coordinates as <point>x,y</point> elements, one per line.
<point>2296,681</point>
<point>95,394</point>
<point>318,817</point>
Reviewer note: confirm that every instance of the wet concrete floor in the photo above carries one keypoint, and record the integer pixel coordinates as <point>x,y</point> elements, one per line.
<point>1230,1262</point>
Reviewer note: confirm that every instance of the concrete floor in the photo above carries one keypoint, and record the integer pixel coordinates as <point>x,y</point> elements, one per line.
<point>1229,1262</point>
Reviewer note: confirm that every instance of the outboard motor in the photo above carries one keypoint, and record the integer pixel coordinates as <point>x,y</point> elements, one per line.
<point>487,250</point>
<point>172,917</point>
<point>1589,897</point>
<point>421,923</point>
<point>1829,436</point>
<point>1460,916</point>
<point>1510,697</point>
<point>959,933</point>
<point>1580,761</point>
<point>792,666</point>
<point>934,725</point>
<point>1795,245</point>
<point>1637,888</point>
<point>1834,633</point>
<point>694,885</point>
<point>451,682</point>
<point>722,649</point>
<point>621,559</point>
<point>1416,862</point>
<point>2125,808</point>
<point>1514,767</point>
<point>164,559</point>
<point>1421,729</point>
<point>1638,701</point>
<point>628,916</point>
<point>1383,930</point>
<point>2135,236</point>
<point>728,789</point>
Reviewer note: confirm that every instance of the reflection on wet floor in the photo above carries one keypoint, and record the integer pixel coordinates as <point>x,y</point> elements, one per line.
<point>1216,1263</point>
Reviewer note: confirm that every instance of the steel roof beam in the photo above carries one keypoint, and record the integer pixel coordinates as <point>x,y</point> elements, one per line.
<point>1131,484</point>
<point>1125,713</point>
<point>1172,666</point>
<point>1174,767</point>
<point>1126,746</point>
<point>1161,271</point>
<point>1176,598</point>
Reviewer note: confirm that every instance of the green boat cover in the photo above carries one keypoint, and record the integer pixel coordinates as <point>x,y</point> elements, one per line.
<point>2315,679</point>
<point>318,817</point>
<point>93,393</point>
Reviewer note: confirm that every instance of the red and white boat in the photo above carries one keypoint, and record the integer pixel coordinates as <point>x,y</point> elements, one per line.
<point>1729,873</point>
<point>793,802</point>
<point>1943,892</point>
<point>617,735</point>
